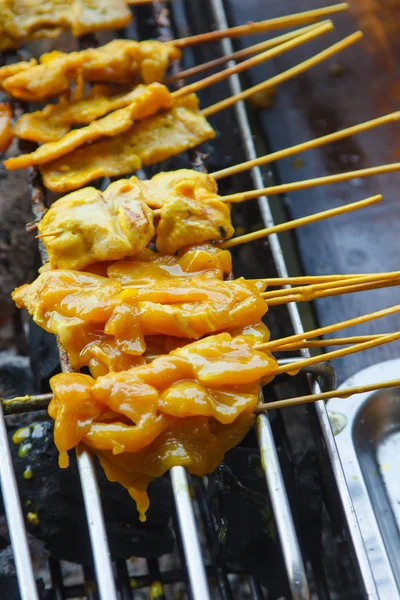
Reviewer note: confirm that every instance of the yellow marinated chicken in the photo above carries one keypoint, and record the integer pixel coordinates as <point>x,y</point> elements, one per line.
<point>103,319</point>
<point>185,219</point>
<point>163,184</point>
<point>24,20</point>
<point>56,120</point>
<point>90,226</point>
<point>85,227</point>
<point>125,62</point>
<point>186,408</point>
<point>145,101</point>
<point>9,70</point>
<point>148,141</point>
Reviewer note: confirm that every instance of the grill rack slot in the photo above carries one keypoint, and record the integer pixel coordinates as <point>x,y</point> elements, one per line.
<point>196,571</point>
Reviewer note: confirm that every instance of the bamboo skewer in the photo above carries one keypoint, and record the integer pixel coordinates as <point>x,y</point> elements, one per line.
<point>344,341</point>
<point>42,401</point>
<point>316,143</point>
<point>326,214</point>
<point>308,183</point>
<point>49,234</point>
<point>367,278</point>
<point>315,279</point>
<point>309,16</point>
<point>254,49</point>
<point>346,393</point>
<point>333,292</point>
<point>300,337</point>
<point>296,366</point>
<point>278,79</point>
<point>252,62</point>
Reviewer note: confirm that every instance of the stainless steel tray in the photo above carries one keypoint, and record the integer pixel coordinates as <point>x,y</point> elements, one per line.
<point>367,433</point>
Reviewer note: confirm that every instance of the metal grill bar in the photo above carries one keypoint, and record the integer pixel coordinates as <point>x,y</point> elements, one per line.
<point>15,518</point>
<point>97,530</point>
<point>190,539</point>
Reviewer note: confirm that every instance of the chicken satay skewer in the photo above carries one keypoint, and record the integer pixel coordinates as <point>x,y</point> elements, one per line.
<point>309,183</point>
<point>345,393</point>
<point>315,143</point>
<point>67,171</point>
<point>19,404</point>
<point>254,49</point>
<point>39,402</point>
<point>251,28</point>
<point>281,77</point>
<point>326,214</point>
<point>110,125</point>
<point>275,229</point>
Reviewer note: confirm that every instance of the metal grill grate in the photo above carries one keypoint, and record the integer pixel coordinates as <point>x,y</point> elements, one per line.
<point>113,581</point>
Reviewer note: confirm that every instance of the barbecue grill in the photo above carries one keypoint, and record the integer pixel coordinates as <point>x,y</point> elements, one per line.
<point>325,559</point>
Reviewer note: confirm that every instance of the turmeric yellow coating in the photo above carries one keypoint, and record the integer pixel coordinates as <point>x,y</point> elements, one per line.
<point>163,184</point>
<point>148,141</point>
<point>125,62</point>
<point>185,218</point>
<point>24,20</point>
<point>186,408</point>
<point>9,70</point>
<point>109,320</point>
<point>145,101</point>
<point>55,120</point>
<point>91,226</point>
<point>88,226</point>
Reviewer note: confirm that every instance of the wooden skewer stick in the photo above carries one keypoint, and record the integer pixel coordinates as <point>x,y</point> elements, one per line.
<point>252,62</point>
<point>278,79</point>
<point>326,214</point>
<point>316,143</point>
<point>296,366</point>
<point>254,49</point>
<point>308,183</point>
<point>42,401</point>
<point>310,289</point>
<point>349,289</point>
<point>314,279</point>
<point>346,393</point>
<point>54,233</point>
<point>312,333</point>
<point>309,16</point>
<point>344,341</point>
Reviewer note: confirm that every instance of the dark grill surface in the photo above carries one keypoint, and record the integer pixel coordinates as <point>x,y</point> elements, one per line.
<point>249,545</point>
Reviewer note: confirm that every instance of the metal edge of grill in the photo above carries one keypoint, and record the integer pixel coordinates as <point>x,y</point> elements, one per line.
<point>186,518</point>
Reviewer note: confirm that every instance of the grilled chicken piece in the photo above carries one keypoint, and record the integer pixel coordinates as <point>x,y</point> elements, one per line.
<point>121,61</point>
<point>145,101</point>
<point>24,20</point>
<point>187,408</point>
<point>190,214</point>
<point>148,141</point>
<point>56,120</point>
<point>162,185</point>
<point>184,218</point>
<point>99,319</point>
<point>90,226</point>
